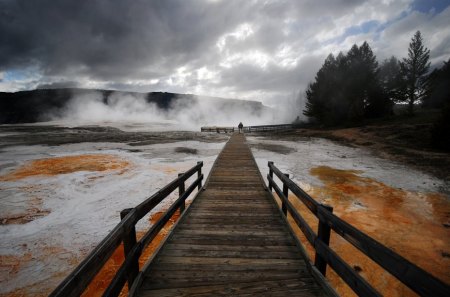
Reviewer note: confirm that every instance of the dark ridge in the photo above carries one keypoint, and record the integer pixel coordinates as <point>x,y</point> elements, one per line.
<point>37,105</point>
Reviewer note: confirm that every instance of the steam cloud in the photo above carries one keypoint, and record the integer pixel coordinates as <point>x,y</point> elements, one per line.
<point>183,114</point>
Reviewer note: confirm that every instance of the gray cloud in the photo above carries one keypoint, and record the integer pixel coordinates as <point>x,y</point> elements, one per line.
<point>248,49</point>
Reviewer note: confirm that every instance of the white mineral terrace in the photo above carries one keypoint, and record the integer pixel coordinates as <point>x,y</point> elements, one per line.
<point>58,202</point>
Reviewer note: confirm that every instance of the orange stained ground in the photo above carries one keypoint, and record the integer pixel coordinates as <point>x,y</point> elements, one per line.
<point>67,164</point>
<point>32,210</point>
<point>171,169</point>
<point>13,264</point>
<point>10,265</point>
<point>104,277</point>
<point>415,225</point>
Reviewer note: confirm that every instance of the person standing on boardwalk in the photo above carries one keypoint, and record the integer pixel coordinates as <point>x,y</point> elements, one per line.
<point>240,126</point>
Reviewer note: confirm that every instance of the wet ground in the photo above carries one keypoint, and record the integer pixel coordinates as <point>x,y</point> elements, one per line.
<point>407,143</point>
<point>18,135</point>
<point>405,209</point>
<point>61,191</point>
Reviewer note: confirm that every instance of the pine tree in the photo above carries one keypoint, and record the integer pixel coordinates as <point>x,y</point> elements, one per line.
<point>347,89</point>
<point>390,78</point>
<point>414,70</point>
<point>439,92</point>
<point>319,93</point>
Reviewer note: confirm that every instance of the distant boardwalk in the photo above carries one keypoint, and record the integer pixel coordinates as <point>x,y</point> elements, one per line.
<point>248,129</point>
<point>231,241</point>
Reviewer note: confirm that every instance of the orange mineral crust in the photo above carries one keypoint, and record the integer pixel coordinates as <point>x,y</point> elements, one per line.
<point>104,277</point>
<point>32,210</point>
<point>67,164</point>
<point>410,223</point>
<point>11,265</point>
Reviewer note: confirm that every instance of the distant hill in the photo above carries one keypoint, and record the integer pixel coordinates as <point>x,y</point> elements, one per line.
<point>34,106</point>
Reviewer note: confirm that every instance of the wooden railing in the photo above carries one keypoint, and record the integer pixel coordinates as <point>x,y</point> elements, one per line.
<point>267,128</point>
<point>248,129</point>
<point>219,129</point>
<point>408,273</point>
<point>125,231</point>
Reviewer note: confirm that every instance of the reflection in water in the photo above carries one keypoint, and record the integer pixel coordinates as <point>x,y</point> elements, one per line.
<point>415,225</point>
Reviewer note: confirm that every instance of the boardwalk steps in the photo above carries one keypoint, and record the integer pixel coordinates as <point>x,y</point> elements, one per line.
<point>231,241</point>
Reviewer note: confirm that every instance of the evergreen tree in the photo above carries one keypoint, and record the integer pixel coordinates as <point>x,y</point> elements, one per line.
<point>414,70</point>
<point>439,82</point>
<point>347,89</point>
<point>319,93</point>
<point>374,100</point>
<point>391,80</point>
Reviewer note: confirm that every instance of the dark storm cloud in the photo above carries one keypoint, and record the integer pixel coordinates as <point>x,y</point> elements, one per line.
<point>111,38</point>
<point>224,48</point>
<point>108,39</point>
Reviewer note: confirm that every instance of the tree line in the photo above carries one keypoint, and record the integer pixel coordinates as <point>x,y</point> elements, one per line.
<point>352,87</point>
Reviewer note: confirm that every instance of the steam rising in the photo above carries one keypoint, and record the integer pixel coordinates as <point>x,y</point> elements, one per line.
<point>185,113</point>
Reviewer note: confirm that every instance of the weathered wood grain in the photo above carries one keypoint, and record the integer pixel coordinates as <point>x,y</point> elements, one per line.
<point>231,241</point>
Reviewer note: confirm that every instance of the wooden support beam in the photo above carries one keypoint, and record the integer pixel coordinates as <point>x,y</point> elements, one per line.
<point>129,241</point>
<point>286,194</point>
<point>323,234</point>
<point>180,193</point>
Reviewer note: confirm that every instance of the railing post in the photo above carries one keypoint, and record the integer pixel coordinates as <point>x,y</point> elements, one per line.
<point>270,174</point>
<point>180,193</point>
<point>199,173</point>
<point>323,234</point>
<point>129,240</point>
<point>286,194</point>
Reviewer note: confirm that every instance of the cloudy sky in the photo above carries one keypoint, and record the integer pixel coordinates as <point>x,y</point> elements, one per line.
<point>248,49</point>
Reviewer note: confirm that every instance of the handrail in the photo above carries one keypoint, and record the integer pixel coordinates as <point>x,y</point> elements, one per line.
<point>248,129</point>
<point>120,278</point>
<point>417,279</point>
<point>264,128</point>
<point>218,129</point>
<point>84,273</point>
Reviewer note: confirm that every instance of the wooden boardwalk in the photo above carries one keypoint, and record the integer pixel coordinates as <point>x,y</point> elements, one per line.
<point>232,240</point>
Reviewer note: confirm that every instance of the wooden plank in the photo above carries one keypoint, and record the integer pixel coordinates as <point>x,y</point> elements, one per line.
<point>232,236</point>
<point>231,232</point>
<point>235,262</point>
<point>219,212</point>
<point>232,226</point>
<point>238,275</point>
<point>161,283</point>
<point>231,254</point>
<point>231,219</point>
<point>254,284</point>
<point>210,247</point>
<point>233,240</point>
